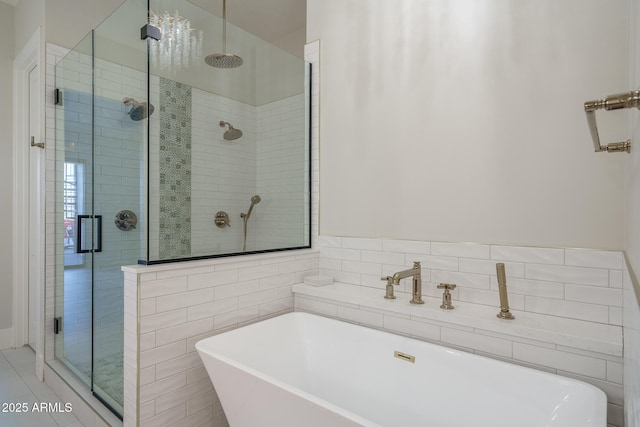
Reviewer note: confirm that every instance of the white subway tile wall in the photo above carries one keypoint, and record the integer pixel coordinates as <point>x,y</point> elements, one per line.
<point>183,304</point>
<point>631,365</point>
<point>281,174</point>
<point>575,284</point>
<point>537,278</point>
<point>223,172</point>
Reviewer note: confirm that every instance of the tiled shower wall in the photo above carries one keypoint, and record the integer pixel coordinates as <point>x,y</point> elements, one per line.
<point>281,161</point>
<point>182,303</point>
<point>267,160</point>
<point>175,157</point>
<point>223,172</point>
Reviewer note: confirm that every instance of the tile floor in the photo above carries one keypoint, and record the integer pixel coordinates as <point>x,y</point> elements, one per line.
<point>18,384</point>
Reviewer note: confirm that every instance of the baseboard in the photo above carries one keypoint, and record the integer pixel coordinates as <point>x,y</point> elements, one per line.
<point>6,338</point>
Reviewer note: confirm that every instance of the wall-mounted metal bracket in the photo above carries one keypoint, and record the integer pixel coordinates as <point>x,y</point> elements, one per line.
<point>149,30</point>
<point>611,102</point>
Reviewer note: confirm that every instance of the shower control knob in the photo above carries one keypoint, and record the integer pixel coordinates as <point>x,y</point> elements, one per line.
<point>126,220</point>
<point>222,219</point>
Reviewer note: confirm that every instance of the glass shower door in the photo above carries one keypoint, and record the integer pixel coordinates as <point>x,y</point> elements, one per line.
<point>74,156</point>
<point>100,146</point>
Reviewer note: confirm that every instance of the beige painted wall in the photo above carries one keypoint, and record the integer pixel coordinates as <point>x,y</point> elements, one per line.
<point>6,162</point>
<point>29,15</point>
<point>463,121</point>
<point>84,15</point>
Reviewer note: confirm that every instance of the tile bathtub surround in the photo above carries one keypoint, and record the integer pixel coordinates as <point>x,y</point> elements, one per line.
<point>474,328</point>
<point>168,308</point>
<point>572,283</point>
<point>632,348</point>
<point>580,289</point>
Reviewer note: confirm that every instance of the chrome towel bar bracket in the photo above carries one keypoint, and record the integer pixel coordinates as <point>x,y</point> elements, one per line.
<point>611,102</point>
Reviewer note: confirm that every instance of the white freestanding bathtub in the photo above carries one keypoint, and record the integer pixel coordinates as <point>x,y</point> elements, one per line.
<point>300,369</point>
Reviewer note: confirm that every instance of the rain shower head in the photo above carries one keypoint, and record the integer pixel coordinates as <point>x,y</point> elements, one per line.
<point>224,59</point>
<point>231,133</point>
<point>139,110</point>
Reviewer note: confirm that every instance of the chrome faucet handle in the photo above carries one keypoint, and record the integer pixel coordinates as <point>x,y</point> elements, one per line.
<point>389,288</point>
<point>446,296</point>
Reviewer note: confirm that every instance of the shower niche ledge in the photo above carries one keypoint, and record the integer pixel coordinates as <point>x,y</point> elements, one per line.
<point>366,306</point>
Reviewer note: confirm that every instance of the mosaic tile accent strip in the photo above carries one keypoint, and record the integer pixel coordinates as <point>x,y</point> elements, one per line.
<point>175,169</point>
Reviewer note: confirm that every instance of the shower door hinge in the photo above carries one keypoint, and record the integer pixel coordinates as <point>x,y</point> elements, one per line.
<point>149,30</point>
<point>57,325</point>
<point>36,144</point>
<point>58,97</point>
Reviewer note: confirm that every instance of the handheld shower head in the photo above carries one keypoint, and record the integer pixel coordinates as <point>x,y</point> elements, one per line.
<point>245,217</point>
<point>231,133</point>
<point>254,201</point>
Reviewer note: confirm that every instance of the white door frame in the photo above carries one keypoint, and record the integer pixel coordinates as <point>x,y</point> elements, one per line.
<point>28,58</point>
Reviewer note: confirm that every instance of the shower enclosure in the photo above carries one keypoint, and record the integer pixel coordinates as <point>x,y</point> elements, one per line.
<point>153,148</point>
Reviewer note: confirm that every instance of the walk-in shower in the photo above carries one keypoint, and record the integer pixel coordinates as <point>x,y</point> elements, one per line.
<point>133,135</point>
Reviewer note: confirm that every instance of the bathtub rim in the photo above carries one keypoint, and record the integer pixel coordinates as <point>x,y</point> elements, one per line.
<point>281,384</point>
<point>599,394</point>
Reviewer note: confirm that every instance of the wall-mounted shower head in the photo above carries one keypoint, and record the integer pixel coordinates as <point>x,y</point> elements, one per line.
<point>231,133</point>
<point>139,110</point>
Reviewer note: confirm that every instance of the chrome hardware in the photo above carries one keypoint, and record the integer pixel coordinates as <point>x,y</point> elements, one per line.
<point>222,219</point>
<point>502,288</point>
<point>414,272</point>
<point>36,144</point>
<point>446,296</point>
<point>126,220</point>
<point>389,292</point>
<point>611,102</point>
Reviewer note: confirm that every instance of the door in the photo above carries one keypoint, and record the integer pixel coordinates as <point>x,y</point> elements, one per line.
<point>99,160</point>
<point>74,235</point>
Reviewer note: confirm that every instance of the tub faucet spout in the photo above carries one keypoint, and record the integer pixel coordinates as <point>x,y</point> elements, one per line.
<point>416,273</point>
